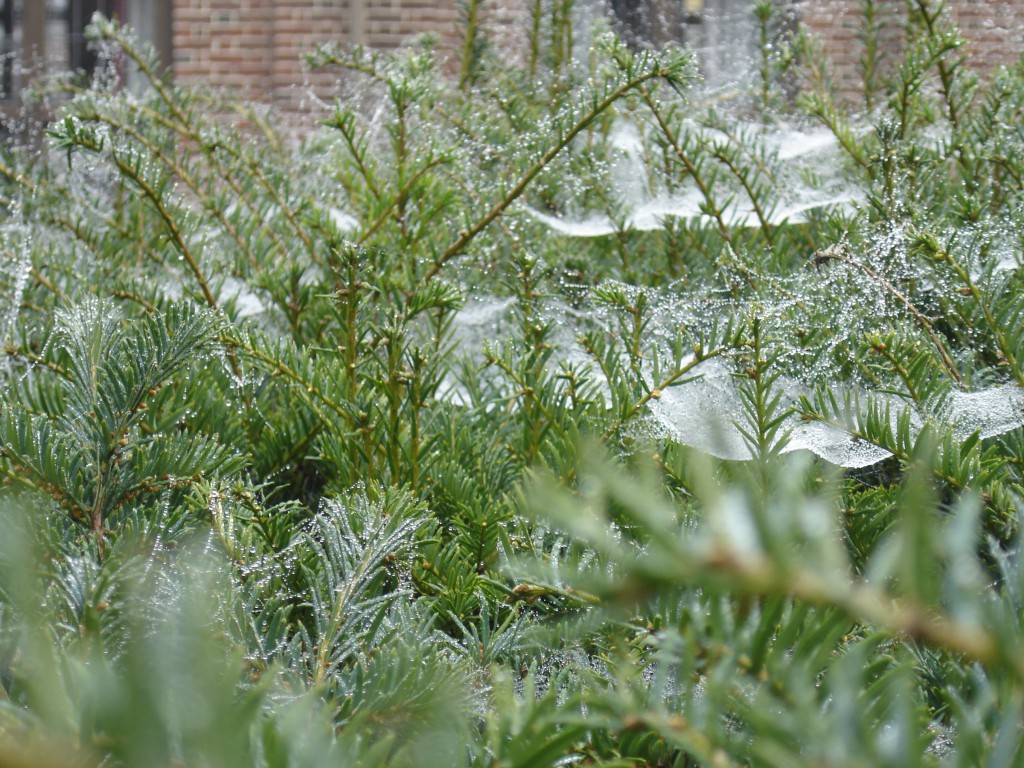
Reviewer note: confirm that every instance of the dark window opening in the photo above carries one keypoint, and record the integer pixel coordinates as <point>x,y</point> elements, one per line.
<point>656,22</point>
<point>7,51</point>
<point>722,33</point>
<point>80,13</point>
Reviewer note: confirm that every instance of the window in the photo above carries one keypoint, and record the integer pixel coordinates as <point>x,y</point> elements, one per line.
<point>7,47</point>
<point>45,36</point>
<point>75,17</point>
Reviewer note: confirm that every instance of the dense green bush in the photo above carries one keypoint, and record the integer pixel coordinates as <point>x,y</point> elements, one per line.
<point>551,413</point>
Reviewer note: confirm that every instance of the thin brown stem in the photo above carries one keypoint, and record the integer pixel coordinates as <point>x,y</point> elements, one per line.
<point>836,254</point>
<point>466,236</point>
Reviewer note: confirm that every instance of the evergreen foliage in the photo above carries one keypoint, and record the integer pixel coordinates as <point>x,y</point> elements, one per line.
<point>269,502</point>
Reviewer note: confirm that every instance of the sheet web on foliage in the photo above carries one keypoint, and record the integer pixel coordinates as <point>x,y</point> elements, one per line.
<point>705,410</point>
<point>804,165</point>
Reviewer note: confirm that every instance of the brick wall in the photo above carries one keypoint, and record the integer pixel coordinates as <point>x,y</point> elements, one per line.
<point>225,43</point>
<point>299,26</point>
<point>255,47</point>
<point>994,30</point>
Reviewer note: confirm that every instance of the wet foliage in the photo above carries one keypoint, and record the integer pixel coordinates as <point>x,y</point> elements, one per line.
<point>526,413</point>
